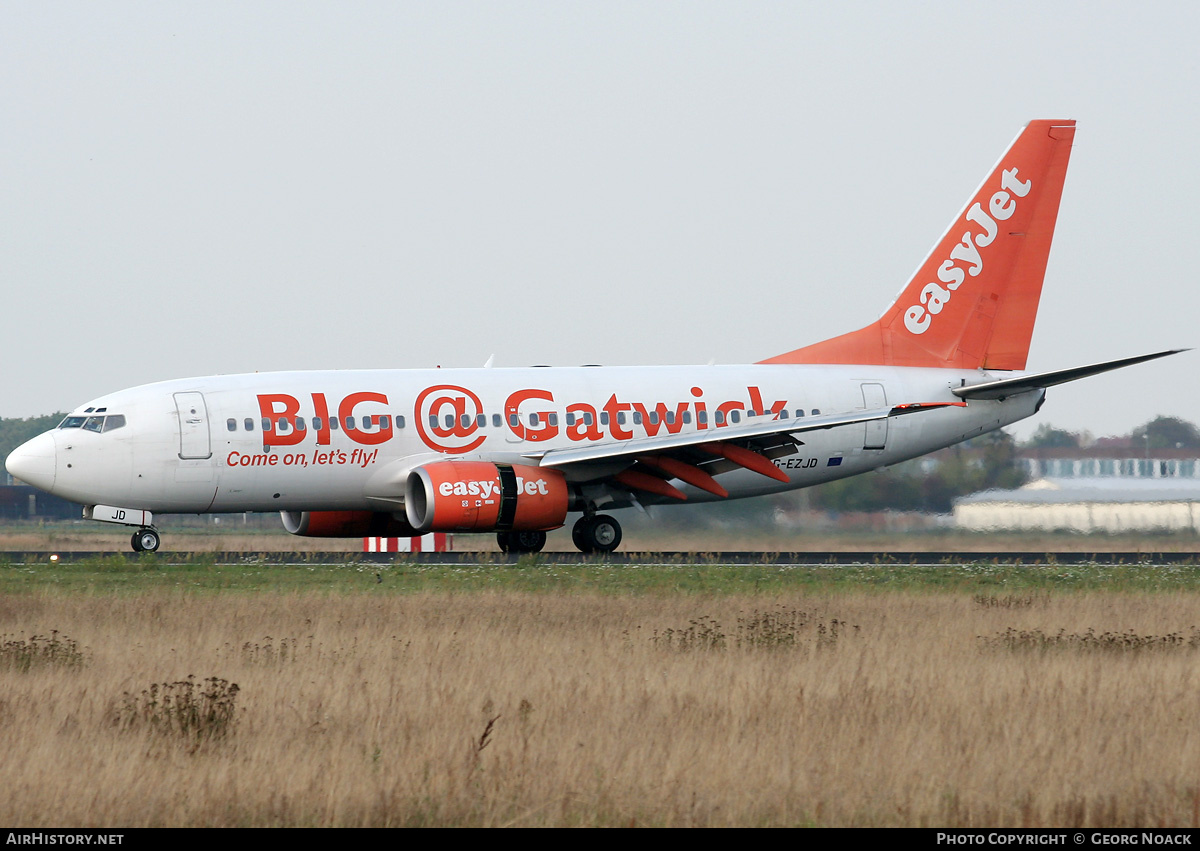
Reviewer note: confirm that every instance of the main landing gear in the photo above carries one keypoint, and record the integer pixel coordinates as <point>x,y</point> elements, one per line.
<point>596,533</point>
<point>521,542</point>
<point>145,541</point>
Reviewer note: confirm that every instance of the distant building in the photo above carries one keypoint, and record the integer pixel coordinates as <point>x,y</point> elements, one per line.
<point>1110,461</point>
<point>1118,503</point>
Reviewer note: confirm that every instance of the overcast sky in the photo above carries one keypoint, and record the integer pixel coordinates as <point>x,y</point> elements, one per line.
<point>199,188</point>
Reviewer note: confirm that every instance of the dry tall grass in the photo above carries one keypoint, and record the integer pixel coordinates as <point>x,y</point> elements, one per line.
<point>508,709</point>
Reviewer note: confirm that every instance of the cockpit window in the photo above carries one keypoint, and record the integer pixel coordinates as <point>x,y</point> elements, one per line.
<point>94,423</point>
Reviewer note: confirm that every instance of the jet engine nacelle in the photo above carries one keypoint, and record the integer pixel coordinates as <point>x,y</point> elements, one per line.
<point>345,524</point>
<point>455,496</point>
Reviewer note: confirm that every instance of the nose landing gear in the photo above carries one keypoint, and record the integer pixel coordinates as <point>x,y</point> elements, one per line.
<point>145,541</point>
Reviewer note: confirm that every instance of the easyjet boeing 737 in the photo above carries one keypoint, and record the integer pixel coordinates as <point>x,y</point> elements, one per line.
<point>514,451</point>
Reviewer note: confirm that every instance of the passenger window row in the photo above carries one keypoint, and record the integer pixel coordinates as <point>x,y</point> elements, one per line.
<point>587,419</point>
<point>384,421</point>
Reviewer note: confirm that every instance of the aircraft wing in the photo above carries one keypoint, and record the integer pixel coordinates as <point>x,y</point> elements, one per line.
<point>1006,387</point>
<point>646,463</point>
<point>767,428</point>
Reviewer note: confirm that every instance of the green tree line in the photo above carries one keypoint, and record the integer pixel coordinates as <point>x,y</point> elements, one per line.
<point>985,462</point>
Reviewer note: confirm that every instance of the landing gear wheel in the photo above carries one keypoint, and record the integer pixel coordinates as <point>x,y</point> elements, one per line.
<point>596,534</point>
<point>145,541</point>
<point>521,542</point>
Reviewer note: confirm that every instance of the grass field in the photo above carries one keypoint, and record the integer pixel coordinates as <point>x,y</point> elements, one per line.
<point>594,695</point>
<point>532,574</point>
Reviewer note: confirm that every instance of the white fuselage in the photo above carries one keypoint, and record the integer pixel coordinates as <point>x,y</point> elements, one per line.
<point>199,445</point>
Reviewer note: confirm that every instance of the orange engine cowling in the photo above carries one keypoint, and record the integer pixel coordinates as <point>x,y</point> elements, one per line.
<point>451,496</point>
<point>345,524</point>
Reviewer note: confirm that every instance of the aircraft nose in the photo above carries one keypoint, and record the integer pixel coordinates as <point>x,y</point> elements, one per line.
<point>33,462</point>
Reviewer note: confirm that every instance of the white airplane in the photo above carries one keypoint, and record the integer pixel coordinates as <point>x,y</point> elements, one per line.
<point>405,452</point>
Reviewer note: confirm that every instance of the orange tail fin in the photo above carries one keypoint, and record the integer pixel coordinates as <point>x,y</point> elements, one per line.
<point>973,301</point>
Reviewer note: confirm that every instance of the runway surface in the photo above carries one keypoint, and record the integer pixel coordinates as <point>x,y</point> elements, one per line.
<point>622,558</point>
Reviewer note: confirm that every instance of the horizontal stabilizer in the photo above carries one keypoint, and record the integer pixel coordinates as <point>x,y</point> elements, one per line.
<point>1012,386</point>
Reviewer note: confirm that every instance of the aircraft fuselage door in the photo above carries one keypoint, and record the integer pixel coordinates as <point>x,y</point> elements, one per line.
<point>194,441</point>
<point>876,435</point>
